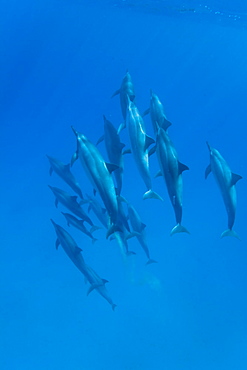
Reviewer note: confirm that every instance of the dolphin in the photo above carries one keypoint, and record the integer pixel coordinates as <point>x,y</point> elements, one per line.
<point>70,202</point>
<point>171,169</point>
<point>74,253</point>
<point>114,149</point>
<point>139,228</point>
<point>99,173</point>
<point>157,114</point>
<point>79,224</point>
<point>63,170</point>
<point>140,142</point>
<point>226,181</point>
<point>126,91</point>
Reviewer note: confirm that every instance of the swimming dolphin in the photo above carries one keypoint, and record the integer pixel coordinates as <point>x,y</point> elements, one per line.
<point>99,173</point>
<point>70,202</point>
<point>157,114</point>
<point>79,224</point>
<point>126,90</point>
<point>140,142</point>
<point>139,228</point>
<point>114,149</point>
<point>63,170</point>
<point>171,170</point>
<point>226,181</point>
<point>74,253</point>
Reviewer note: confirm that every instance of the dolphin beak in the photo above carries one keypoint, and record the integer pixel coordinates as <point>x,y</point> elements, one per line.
<point>74,130</point>
<point>209,147</point>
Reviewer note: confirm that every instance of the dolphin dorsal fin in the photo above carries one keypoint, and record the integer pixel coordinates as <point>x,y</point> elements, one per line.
<point>148,142</point>
<point>92,287</point>
<point>77,250</point>
<point>111,167</point>
<point>74,198</point>
<point>235,178</point>
<point>182,167</point>
<point>102,138</point>
<point>207,171</point>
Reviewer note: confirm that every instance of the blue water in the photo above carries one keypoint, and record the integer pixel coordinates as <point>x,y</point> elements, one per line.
<point>60,63</point>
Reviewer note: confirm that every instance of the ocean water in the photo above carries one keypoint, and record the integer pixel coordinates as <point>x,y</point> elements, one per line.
<point>61,61</point>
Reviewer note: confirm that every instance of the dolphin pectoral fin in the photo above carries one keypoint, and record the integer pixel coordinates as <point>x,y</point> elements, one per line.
<point>74,198</point>
<point>113,306</point>
<point>148,142</point>
<point>56,202</point>
<point>179,229</point>
<point>230,232</point>
<point>94,228</point>
<point>57,243</point>
<point>145,112</point>
<point>158,174</point>
<point>67,167</point>
<point>111,167</point>
<point>166,124</point>
<point>105,281</point>
<point>91,288</point>
<point>208,170</point>
<point>235,178</point>
<point>51,170</point>
<point>112,230</point>
<point>100,139</point>
<point>150,261</point>
<point>116,93</point>
<point>74,158</point>
<point>126,151</point>
<point>152,150</point>
<point>182,167</point>
<point>121,127</point>
<point>143,226</point>
<point>132,235</point>
<point>150,194</point>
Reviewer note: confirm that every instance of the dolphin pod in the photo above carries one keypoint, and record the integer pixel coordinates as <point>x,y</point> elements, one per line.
<point>116,214</point>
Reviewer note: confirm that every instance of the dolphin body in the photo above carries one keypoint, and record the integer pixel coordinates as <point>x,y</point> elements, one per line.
<point>157,114</point>
<point>139,228</point>
<point>74,253</point>
<point>70,202</point>
<point>63,170</point>
<point>126,91</point>
<point>114,149</point>
<point>171,169</point>
<point>98,172</point>
<point>226,181</point>
<point>79,224</point>
<point>140,142</point>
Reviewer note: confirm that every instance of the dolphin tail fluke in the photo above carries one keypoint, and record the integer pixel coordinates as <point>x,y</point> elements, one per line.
<point>150,261</point>
<point>230,232</point>
<point>150,194</point>
<point>179,229</point>
<point>113,306</point>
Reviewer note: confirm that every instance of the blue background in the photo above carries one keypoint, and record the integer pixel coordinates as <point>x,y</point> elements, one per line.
<point>60,63</point>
